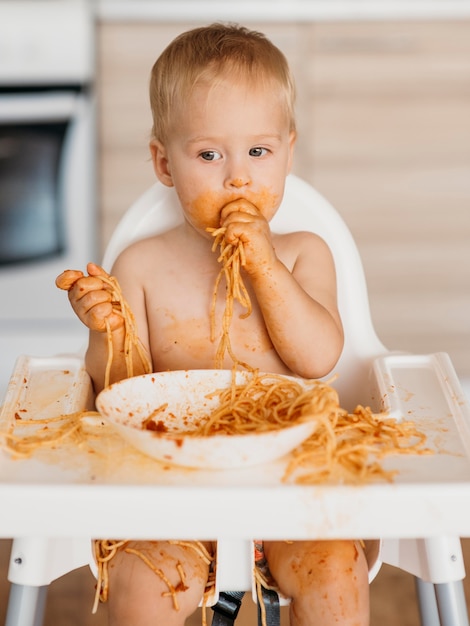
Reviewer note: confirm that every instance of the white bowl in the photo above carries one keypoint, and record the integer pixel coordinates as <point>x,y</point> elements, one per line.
<point>128,403</point>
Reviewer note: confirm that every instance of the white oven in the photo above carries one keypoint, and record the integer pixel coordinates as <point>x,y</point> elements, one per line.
<point>47,172</point>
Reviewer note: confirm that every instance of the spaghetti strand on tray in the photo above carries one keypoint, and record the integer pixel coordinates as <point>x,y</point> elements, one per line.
<point>25,436</point>
<point>347,447</point>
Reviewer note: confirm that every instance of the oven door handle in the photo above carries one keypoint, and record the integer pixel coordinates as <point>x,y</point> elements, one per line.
<point>38,107</point>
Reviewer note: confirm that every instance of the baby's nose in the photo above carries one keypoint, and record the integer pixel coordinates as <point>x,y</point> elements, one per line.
<point>239,182</point>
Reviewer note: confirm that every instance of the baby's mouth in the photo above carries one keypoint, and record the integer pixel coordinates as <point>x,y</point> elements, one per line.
<point>242,203</point>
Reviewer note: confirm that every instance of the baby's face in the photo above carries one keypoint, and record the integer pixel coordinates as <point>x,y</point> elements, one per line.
<point>228,142</point>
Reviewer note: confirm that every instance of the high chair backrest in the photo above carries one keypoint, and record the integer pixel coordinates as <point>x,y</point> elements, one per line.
<point>302,208</point>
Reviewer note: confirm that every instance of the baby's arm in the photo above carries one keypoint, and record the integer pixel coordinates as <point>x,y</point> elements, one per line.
<point>91,299</point>
<point>299,306</point>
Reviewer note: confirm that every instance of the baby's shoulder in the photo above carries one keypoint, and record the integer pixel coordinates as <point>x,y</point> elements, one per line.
<point>153,245</point>
<point>145,252</point>
<point>303,250</point>
<point>303,237</point>
<point>299,243</point>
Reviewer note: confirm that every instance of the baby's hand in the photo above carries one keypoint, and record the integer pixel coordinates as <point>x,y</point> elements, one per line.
<point>90,297</point>
<point>244,222</point>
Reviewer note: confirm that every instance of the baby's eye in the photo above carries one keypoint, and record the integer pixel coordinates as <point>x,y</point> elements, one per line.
<point>258,152</point>
<point>210,155</point>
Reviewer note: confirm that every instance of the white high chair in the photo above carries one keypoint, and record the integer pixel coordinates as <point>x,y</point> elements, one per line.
<point>425,545</point>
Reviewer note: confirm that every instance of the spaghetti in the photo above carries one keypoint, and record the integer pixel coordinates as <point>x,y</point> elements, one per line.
<point>66,427</point>
<point>266,402</point>
<point>132,342</point>
<point>232,257</point>
<point>345,447</point>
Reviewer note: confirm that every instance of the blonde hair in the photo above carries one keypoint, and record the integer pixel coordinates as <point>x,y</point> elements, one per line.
<point>211,52</point>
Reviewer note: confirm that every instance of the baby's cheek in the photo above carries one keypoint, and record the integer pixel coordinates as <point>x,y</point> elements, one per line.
<point>205,210</point>
<point>266,201</point>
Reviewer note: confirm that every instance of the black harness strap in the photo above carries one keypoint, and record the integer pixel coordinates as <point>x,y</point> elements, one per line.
<point>227,607</point>
<point>271,606</point>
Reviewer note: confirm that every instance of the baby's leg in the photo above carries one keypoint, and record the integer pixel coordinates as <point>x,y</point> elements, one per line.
<point>327,581</point>
<point>138,595</point>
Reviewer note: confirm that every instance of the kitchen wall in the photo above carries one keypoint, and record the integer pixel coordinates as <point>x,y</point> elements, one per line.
<point>384,133</point>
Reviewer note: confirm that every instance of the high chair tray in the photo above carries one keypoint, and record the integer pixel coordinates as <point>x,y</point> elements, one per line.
<point>103,487</point>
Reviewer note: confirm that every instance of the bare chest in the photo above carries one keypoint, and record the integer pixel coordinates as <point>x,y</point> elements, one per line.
<point>186,323</point>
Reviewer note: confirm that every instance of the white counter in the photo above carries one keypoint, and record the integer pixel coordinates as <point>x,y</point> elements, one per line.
<point>279,10</point>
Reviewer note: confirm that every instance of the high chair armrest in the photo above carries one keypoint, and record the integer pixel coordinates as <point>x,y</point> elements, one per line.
<point>424,388</point>
<point>46,387</point>
<point>419,386</point>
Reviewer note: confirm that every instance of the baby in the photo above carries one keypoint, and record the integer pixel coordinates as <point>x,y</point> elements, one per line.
<point>223,135</point>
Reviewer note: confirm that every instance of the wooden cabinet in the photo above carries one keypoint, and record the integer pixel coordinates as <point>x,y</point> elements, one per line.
<point>384,134</point>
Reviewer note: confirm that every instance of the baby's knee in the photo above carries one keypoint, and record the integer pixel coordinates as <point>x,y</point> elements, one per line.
<point>341,560</point>
<point>155,579</point>
<point>303,565</point>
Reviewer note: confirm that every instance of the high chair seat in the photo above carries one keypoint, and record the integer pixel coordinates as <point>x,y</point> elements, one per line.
<point>53,510</point>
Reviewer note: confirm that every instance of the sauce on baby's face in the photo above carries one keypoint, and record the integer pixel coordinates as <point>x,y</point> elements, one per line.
<point>205,210</point>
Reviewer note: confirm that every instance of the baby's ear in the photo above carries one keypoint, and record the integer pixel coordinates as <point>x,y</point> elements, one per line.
<point>292,140</point>
<point>161,166</point>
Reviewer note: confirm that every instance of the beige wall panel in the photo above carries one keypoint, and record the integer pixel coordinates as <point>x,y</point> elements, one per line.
<point>391,150</point>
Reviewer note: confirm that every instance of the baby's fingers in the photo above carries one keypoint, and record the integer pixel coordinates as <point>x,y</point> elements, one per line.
<point>102,315</point>
<point>238,209</point>
<point>94,307</point>
<point>67,279</point>
<point>96,270</point>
